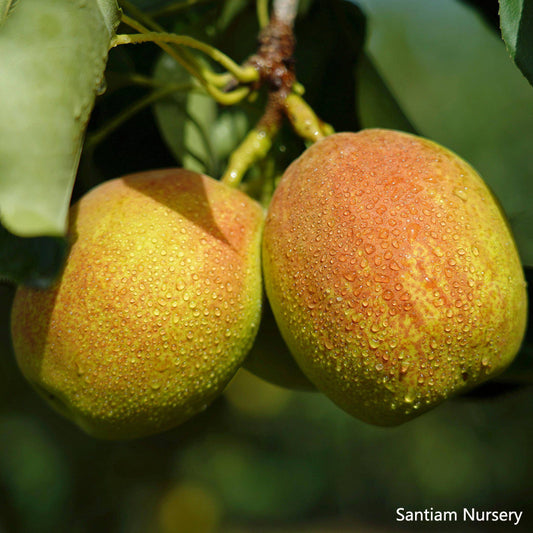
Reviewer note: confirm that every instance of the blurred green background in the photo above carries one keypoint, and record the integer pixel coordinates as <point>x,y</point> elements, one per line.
<point>262,459</point>
<point>265,459</point>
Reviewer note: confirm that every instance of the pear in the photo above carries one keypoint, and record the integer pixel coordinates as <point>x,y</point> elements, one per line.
<point>392,274</point>
<point>158,304</point>
<point>271,360</point>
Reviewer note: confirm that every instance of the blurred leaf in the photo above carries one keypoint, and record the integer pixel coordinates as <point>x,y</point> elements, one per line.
<point>53,58</point>
<point>488,10</point>
<point>378,108</point>
<point>185,119</point>
<point>200,134</point>
<point>516,20</point>
<point>462,92</point>
<point>6,8</point>
<point>33,261</point>
<point>233,469</point>
<point>329,38</point>
<point>154,4</point>
<point>35,472</point>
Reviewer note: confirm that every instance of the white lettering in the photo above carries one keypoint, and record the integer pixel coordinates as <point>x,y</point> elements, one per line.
<point>466,514</point>
<point>469,514</point>
<point>427,515</point>
<point>492,516</point>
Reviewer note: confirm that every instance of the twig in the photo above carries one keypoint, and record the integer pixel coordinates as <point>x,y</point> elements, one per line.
<point>262,13</point>
<point>285,11</point>
<point>242,74</point>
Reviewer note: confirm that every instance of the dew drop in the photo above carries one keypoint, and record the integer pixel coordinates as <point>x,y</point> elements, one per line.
<point>413,230</point>
<point>393,265</point>
<point>410,396</point>
<point>373,343</point>
<point>350,276</point>
<point>460,193</point>
<point>387,295</point>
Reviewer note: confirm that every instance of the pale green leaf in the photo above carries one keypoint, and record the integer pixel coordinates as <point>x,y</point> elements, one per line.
<point>53,56</point>
<point>6,9</point>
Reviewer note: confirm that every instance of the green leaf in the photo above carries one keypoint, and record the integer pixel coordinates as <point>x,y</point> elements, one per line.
<point>185,119</point>
<point>6,8</point>
<point>34,261</point>
<point>453,78</point>
<point>378,108</point>
<point>53,59</point>
<point>199,133</point>
<point>516,21</point>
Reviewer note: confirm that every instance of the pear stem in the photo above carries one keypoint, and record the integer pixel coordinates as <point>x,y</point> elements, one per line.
<point>213,83</point>
<point>285,11</point>
<point>275,64</point>
<point>262,13</point>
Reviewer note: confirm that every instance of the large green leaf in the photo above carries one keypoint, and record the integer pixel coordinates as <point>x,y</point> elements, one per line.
<point>377,106</point>
<point>53,56</point>
<point>454,80</point>
<point>516,21</point>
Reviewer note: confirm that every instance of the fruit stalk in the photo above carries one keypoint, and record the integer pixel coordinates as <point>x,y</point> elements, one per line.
<point>285,11</point>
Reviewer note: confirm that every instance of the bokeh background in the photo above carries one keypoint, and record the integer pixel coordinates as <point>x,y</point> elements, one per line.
<point>263,458</point>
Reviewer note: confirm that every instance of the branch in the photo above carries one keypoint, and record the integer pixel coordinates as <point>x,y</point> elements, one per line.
<point>285,11</point>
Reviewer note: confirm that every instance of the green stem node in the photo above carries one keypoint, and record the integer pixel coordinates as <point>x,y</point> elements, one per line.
<point>304,120</point>
<point>254,147</point>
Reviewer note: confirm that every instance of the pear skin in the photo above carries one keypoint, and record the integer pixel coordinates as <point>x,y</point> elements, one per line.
<point>270,358</point>
<point>392,274</point>
<point>158,304</point>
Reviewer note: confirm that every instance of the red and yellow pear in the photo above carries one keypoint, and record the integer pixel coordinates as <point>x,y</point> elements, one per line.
<point>392,273</point>
<point>158,304</point>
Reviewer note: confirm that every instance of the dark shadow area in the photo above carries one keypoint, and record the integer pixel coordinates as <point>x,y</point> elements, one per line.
<point>181,191</point>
